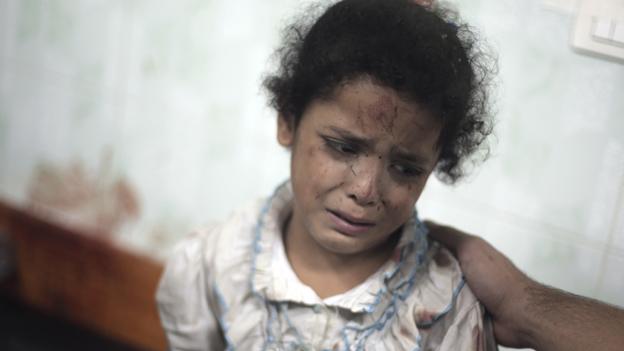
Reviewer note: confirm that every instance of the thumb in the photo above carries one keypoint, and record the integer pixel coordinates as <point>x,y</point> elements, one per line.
<point>450,237</point>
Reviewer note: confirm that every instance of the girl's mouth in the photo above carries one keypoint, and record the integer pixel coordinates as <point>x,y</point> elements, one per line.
<point>348,225</point>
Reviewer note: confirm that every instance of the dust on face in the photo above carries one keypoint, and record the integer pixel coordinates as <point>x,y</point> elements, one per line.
<point>365,153</point>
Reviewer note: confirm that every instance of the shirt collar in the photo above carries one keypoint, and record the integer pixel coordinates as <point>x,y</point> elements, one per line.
<point>272,276</point>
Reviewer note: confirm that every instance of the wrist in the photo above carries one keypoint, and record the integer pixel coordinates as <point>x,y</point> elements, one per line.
<point>521,313</point>
<point>549,313</point>
<point>532,312</point>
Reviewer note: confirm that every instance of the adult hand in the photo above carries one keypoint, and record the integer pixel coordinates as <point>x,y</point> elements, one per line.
<point>524,312</point>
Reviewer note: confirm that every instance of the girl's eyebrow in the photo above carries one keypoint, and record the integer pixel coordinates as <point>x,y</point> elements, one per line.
<point>410,157</point>
<point>352,138</point>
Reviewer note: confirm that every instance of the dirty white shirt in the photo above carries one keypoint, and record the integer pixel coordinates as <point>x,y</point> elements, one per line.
<point>232,287</point>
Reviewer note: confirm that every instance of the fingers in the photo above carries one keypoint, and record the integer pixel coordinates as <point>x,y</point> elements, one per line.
<point>447,236</point>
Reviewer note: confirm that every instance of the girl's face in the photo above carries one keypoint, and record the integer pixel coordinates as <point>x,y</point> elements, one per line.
<point>359,162</point>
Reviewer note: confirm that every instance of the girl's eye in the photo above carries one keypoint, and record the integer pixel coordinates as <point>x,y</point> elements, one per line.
<point>407,171</point>
<point>340,147</point>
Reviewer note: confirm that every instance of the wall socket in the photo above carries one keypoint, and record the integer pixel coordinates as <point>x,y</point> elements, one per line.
<point>599,29</point>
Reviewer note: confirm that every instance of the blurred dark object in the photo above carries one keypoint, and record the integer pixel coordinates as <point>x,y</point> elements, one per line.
<point>84,279</point>
<point>25,329</point>
<point>7,257</point>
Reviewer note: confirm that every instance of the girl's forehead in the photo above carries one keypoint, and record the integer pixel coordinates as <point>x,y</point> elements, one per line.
<point>372,108</point>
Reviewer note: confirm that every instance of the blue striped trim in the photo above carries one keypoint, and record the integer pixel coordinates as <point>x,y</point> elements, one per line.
<point>418,343</point>
<point>270,338</point>
<point>222,323</point>
<point>363,333</point>
<point>284,310</point>
<point>446,310</point>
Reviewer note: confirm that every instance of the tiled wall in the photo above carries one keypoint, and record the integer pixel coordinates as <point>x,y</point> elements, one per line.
<point>149,114</point>
<point>552,194</point>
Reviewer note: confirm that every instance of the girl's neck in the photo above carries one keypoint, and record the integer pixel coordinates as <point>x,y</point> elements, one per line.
<point>329,273</point>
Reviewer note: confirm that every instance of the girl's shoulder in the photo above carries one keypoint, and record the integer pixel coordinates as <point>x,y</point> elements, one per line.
<point>442,268</point>
<point>442,301</point>
<point>216,246</point>
<point>229,238</point>
<point>437,283</point>
<point>441,286</point>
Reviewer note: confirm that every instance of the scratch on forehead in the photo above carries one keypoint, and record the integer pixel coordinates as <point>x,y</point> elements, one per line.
<point>360,117</point>
<point>385,111</point>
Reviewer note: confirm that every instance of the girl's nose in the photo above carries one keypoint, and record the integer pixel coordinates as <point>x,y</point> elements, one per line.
<point>363,186</point>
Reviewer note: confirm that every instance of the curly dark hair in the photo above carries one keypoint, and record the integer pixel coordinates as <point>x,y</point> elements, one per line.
<point>425,54</point>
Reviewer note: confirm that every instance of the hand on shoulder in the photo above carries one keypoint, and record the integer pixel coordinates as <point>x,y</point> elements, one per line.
<point>495,280</point>
<point>526,313</point>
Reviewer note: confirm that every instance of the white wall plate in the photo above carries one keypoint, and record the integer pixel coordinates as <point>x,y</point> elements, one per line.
<point>599,29</point>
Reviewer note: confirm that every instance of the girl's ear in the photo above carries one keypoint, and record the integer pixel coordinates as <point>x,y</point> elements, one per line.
<point>285,131</point>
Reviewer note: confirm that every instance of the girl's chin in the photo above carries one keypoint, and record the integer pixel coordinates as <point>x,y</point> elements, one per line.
<point>341,244</point>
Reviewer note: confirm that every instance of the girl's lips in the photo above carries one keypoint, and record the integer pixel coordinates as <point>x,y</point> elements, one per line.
<point>348,226</point>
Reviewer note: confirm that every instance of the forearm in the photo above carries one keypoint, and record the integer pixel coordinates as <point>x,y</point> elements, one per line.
<point>557,320</point>
<point>526,313</point>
